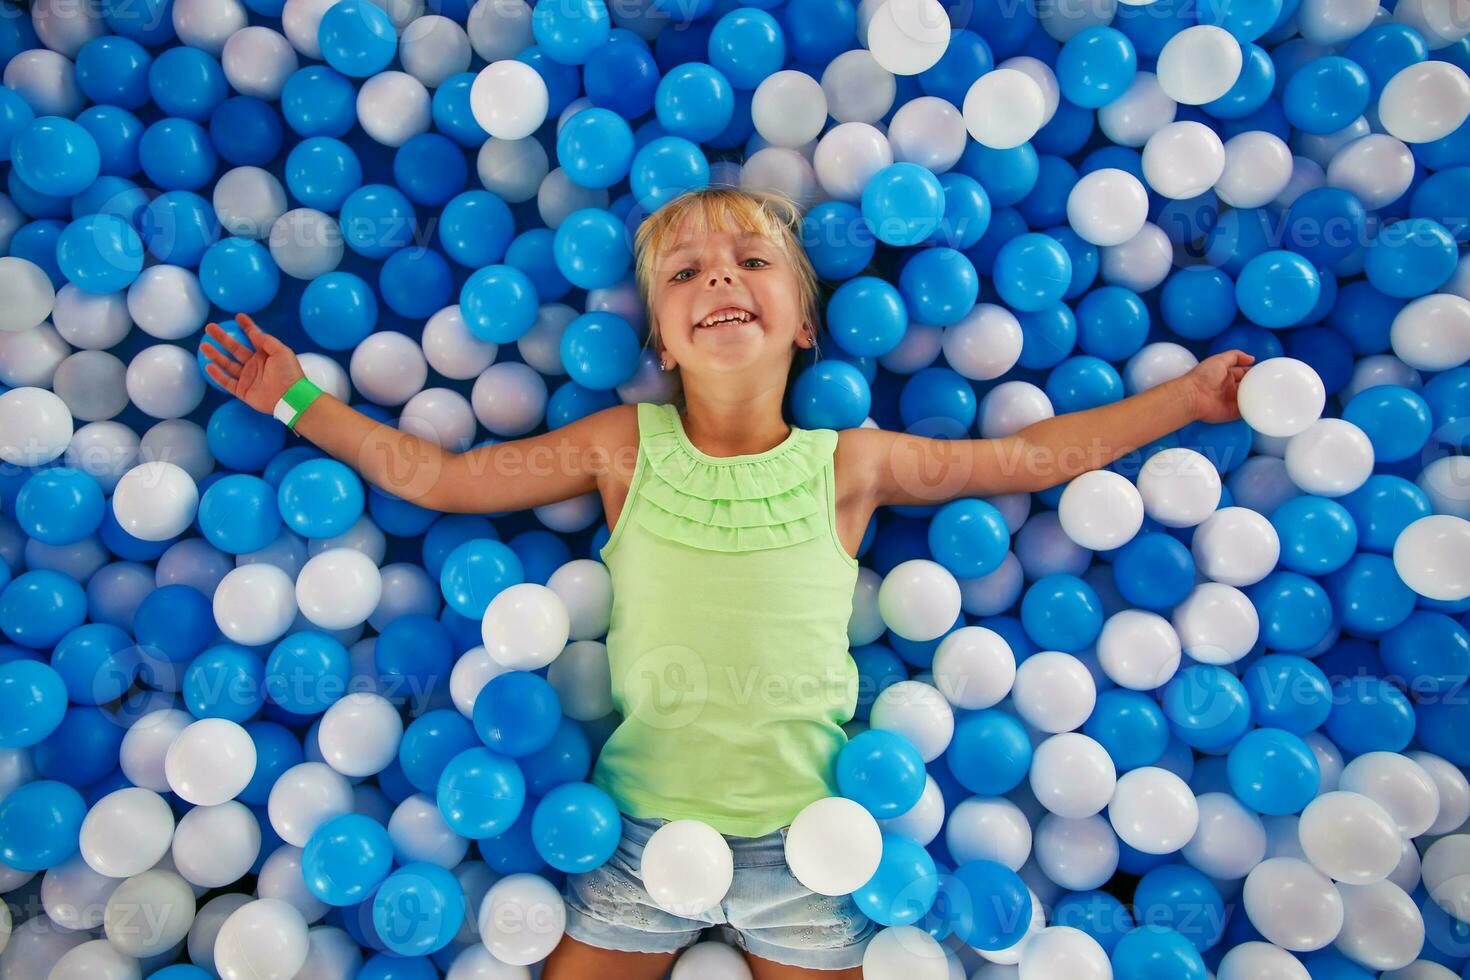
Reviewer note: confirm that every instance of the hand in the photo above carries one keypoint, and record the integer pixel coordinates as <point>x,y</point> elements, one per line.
<point>257,377</point>
<point>1214,382</point>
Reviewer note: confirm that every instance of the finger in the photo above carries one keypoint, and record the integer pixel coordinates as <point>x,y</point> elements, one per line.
<point>262,340</point>
<point>219,357</point>
<point>238,350</point>
<point>220,378</point>
<point>216,333</point>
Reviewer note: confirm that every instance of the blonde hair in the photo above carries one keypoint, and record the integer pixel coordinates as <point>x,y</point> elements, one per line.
<point>765,213</point>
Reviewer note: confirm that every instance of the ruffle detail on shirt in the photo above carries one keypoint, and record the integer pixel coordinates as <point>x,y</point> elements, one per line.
<point>735,505</point>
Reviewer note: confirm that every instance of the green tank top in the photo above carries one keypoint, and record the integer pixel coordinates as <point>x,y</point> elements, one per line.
<point>728,638</point>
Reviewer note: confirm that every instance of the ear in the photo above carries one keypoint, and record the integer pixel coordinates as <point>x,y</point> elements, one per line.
<point>806,336</point>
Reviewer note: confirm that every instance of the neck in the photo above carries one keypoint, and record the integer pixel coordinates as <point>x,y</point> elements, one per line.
<point>735,423</point>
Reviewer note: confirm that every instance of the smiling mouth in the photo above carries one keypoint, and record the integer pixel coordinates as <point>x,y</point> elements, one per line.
<point>726,318</point>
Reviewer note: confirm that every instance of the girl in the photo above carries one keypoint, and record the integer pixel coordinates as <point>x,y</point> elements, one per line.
<point>732,562</point>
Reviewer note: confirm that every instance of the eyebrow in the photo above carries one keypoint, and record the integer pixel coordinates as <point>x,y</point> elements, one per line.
<point>742,239</point>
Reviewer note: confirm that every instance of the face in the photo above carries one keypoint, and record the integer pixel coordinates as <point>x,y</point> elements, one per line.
<point>727,301</point>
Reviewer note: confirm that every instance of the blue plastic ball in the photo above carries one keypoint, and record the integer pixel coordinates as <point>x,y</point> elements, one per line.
<point>34,697</point>
<point>320,498</point>
<point>481,793</point>
<point>1273,772</point>
<point>867,316</point>
<point>100,253</point>
<point>1410,258</point>
<point>239,275</point>
<point>1317,535</point>
<point>987,905</point>
<point>1277,289</point>
<point>59,506</point>
<point>904,887</point>
<point>238,514</point>
<point>903,203</point>
<point>357,38</point>
<point>1096,66</point>
<point>939,286</point>
<point>55,156</point>
<point>837,240</point>
<point>307,672</point>
<point>990,752</point>
<point>346,858</point>
<point>322,171</point>
<point>499,304</point>
<point>969,537</point>
<point>576,827</point>
<point>881,770</point>
<point>569,32</point>
<point>592,248</point>
<point>1061,612</point>
<point>1287,692</point>
<point>517,713</point>
<point>747,45</point>
<point>476,572</point>
<point>1326,94</point>
<point>39,825</point>
<point>1207,707</point>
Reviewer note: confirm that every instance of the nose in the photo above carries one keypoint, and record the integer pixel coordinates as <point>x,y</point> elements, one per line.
<point>716,278</point>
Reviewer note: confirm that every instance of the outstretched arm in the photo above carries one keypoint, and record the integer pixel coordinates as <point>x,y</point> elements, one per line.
<point>908,469</point>
<point>506,476</point>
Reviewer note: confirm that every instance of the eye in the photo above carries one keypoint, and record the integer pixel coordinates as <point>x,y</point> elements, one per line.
<point>681,277</point>
<point>763,262</point>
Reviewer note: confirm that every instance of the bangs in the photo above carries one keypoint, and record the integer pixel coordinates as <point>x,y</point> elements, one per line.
<point>769,215</point>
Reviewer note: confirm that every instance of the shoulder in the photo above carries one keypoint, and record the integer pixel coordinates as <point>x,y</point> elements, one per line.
<point>609,429</point>
<point>858,456</point>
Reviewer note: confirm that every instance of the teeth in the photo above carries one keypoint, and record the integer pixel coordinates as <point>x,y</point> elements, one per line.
<point>725,316</point>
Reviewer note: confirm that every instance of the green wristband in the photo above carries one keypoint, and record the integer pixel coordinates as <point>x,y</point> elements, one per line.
<point>295,401</point>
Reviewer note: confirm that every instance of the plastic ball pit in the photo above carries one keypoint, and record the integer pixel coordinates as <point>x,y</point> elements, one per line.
<point>1196,714</point>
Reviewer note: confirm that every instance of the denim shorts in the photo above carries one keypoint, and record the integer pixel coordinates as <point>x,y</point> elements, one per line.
<point>766,912</point>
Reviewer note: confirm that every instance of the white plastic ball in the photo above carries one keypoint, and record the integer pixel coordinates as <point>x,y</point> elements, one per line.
<point>1382,928</point>
<point>208,24</point>
<point>1258,167</point>
<point>164,381</point>
<point>917,711</point>
<point>155,501</point>
<point>833,846</point>
<point>393,107</point>
<point>1138,650</point>
<point>29,294</point>
<point>248,201</point>
<point>451,349</point>
<point>509,100</point>
<point>1199,64</point>
<point>210,762</point>
<point>126,832</point>
<point>94,321</point>
<point>923,821</point>
<point>304,797</point>
<point>907,37</point>
<point>1011,406</point>
<point>1432,556</point>
<point>1072,775</point>
<point>1101,510</point>
<point>1140,264</point>
<point>1349,838</point>
<point>258,61</point>
<point>359,734</point>
<point>47,80</point>
<point>35,427</point>
<point>263,940</point>
<point>687,867</point>
<point>1441,22</point>
<point>1257,960</point>
<point>1078,855</point>
<point>513,169</point>
<point>1293,904</point>
<point>500,29</point>
<point>1153,810</point>
<point>522,919</point>
<point>92,384</point>
<point>167,302</point>
<point>1179,487</point>
<point>388,368</point>
<point>1058,951</point>
<point>919,599</point>
<point>215,846</point>
<point>306,243</point>
<point>1399,785</point>
<point>1107,207</point>
<point>1140,112</point>
<point>1281,396</point>
<point>433,48</point>
<point>1216,623</point>
<point>974,667</point>
<point>149,913</point>
<point>1332,457</point>
<point>1054,692</point>
<point>1183,159</point>
<point>858,89</point>
<point>1230,841</point>
<point>255,604</point>
<point>847,156</point>
<point>789,108</point>
<point>906,952</point>
<point>1433,332</point>
<point>985,343</point>
<point>338,588</point>
<point>1377,168</point>
<point>1004,108</point>
<point>525,626</point>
